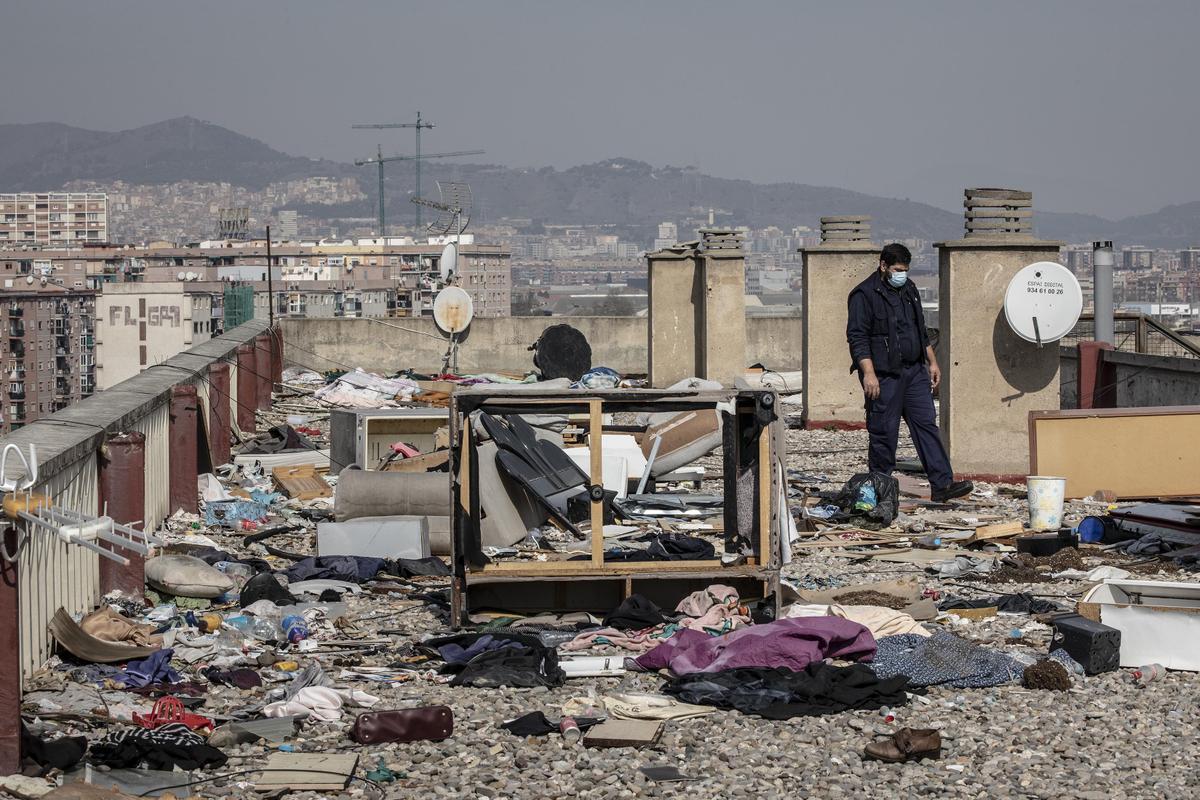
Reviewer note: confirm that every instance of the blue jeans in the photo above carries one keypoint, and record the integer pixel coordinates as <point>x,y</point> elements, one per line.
<point>908,395</point>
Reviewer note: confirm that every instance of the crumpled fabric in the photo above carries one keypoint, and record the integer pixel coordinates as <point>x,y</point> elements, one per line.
<point>714,610</point>
<point>635,613</point>
<point>153,669</point>
<point>637,705</point>
<point>943,658</point>
<point>879,620</point>
<point>319,702</point>
<point>819,688</point>
<point>528,664</point>
<point>962,565</point>
<point>163,748</point>
<point>456,653</point>
<point>788,643</point>
<point>355,569</point>
<point>634,641</point>
<point>110,626</point>
<point>1017,603</point>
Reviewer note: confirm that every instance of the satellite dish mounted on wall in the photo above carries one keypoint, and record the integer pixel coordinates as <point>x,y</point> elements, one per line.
<point>453,312</point>
<point>1043,302</point>
<point>448,264</point>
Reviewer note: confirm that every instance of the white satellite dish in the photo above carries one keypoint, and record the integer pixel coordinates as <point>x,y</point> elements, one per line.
<point>29,279</point>
<point>191,276</point>
<point>1043,302</point>
<point>453,309</point>
<point>448,265</point>
<point>179,276</point>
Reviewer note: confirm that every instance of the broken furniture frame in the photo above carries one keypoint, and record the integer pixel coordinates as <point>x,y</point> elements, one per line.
<point>752,446</point>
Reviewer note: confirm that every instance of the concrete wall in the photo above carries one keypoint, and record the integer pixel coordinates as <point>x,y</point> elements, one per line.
<point>501,344</point>
<point>991,378</point>
<point>138,325</point>
<point>831,393</point>
<point>1141,379</point>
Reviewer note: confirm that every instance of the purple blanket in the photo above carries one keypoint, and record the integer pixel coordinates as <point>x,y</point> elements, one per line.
<point>788,643</point>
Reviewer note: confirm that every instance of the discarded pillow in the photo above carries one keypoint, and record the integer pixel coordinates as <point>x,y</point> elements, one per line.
<point>186,576</point>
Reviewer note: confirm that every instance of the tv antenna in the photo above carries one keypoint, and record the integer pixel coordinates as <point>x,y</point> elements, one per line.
<point>455,208</point>
<point>380,159</point>
<point>417,127</point>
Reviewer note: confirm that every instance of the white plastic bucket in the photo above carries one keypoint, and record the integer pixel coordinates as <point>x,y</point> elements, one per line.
<point>1045,502</point>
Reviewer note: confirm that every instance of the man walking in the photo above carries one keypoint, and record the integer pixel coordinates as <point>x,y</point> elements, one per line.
<point>890,348</point>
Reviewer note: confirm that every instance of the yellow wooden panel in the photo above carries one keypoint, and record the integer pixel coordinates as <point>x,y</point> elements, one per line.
<point>1136,455</point>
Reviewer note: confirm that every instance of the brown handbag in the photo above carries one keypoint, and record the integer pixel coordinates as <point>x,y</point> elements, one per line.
<point>403,725</point>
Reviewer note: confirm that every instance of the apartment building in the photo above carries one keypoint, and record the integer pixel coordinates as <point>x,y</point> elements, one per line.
<point>59,219</point>
<point>142,324</point>
<point>48,350</point>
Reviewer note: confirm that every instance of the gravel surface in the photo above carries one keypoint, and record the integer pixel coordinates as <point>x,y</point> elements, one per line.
<point>1105,737</point>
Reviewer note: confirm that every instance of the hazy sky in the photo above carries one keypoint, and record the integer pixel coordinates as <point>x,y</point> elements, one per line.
<point>1091,105</point>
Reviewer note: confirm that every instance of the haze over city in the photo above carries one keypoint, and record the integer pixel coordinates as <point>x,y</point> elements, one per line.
<point>1087,104</point>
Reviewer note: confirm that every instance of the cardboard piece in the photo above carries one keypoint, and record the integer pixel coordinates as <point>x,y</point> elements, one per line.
<point>1131,452</point>
<point>422,463</point>
<point>301,483</point>
<point>1001,530</point>
<point>307,772</point>
<point>685,437</point>
<point>376,537</point>
<point>623,733</point>
<point>1159,621</point>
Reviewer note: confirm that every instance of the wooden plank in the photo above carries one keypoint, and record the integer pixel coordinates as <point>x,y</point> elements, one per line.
<point>303,772</point>
<point>421,463</point>
<point>1000,531</point>
<point>301,482</point>
<point>764,495</point>
<point>615,569</point>
<point>464,471</point>
<point>595,446</point>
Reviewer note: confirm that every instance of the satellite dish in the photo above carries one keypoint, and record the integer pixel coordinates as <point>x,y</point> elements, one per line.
<point>29,279</point>
<point>448,264</point>
<point>1043,302</point>
<point>179,276</point>
<point>453,310</point>
<point>191,276</point>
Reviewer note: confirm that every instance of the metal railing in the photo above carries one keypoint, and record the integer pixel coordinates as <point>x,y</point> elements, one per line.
<point>1136,333</point>
<point>53,574</point>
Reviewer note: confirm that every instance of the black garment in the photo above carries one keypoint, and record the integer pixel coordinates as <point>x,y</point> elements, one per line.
<point>872,326</point>
<point>526,667</point>
<point>240,677</point>
<point>634,614</point>
<point>907,330</point>
<point>1019,603</point>
<point>535,723</point>
<point>781,694</point>
<point>60,754</point>
<point>277,440</point>
<point>410,567</point>
<point>166,748</point>
<point>666,547</point>
<point>355,569</point>
<point>265,586</point>
<point>211,556</point>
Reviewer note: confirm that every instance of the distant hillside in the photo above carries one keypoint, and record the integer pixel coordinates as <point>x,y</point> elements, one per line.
<point>618,191</point>
<point>48,154</point>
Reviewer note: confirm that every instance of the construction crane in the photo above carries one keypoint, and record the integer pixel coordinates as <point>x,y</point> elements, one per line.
<point>417,126</point>
<point>380,159</point>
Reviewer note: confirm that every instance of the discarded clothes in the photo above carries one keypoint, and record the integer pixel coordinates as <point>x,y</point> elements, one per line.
<point>715,610</point>
<point>154,669</point>
<point>943,659</point>
<point>265,586</point>
<point>165,748</point>
<point>456,653</point>
<point>819,688</point>
<point>788,643</point>
<point>355,569</point>
<point>522,662</point>
<point>242,678</point>
<point>61,754</point>
<point>1019,603</point>
<point>535,723</point>
<point>878,620</point>
<point>319,702</point>
<point>635,613</point>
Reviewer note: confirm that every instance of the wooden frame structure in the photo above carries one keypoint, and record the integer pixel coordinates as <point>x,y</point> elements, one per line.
<point>752,445</point>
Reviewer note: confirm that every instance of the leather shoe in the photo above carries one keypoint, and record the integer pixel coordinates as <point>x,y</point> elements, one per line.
<point>906,744</point>
<point>955,489</point>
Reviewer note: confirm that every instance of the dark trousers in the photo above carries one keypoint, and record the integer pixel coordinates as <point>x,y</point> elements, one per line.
<point>908,395</point>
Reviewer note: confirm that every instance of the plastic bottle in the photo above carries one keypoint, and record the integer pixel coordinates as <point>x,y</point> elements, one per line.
<point>294,627</point>
<point>570,730</point>
<point>887,714</point>
<point>1147,674</point>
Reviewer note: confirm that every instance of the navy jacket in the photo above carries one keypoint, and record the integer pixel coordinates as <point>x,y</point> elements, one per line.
<point>871,325</point>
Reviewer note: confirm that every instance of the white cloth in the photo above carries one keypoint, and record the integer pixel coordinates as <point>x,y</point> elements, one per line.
<point>320,702</point>
<point>880,621</point>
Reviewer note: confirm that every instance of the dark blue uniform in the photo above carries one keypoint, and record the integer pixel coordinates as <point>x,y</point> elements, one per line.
<point>887,325</point>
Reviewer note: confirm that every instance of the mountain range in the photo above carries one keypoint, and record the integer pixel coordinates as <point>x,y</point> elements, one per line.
<point>619,191</point>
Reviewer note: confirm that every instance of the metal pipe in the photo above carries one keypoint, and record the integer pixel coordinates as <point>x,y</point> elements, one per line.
<point>1102,291</point>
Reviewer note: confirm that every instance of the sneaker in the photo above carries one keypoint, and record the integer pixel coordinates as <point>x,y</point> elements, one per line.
<point>955,489</point>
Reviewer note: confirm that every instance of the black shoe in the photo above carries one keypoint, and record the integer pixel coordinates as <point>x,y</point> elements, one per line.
<point>955,489</point>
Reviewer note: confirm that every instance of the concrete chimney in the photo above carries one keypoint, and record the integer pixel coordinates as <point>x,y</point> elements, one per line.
<point>846,229</point>
<point>998,213</point>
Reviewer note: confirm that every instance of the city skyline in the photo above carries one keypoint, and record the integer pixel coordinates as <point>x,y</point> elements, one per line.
<point>937,96</point>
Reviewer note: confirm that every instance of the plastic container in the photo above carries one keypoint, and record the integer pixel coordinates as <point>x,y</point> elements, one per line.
<point>295,629</point>
<point>1147,674</point>
<point>1045,502</point>
<point>208,622</point>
